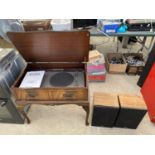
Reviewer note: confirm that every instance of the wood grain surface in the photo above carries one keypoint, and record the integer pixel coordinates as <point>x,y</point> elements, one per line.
<point>132,101</point>
<point>52,46</point>
<point>106,99</point>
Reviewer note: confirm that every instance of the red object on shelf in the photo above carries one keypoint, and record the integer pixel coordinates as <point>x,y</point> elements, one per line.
<point>148,92</point>
<point>96,77</point>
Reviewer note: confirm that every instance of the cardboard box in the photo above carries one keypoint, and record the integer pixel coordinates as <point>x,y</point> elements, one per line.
<point>133,69</point>
<point>115,68</point>
<point>94,55</point>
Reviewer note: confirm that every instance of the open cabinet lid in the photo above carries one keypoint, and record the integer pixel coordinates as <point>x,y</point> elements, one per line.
<point>52,46</point>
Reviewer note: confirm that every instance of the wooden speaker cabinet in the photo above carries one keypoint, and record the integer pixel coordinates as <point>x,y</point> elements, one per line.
<point>53,52</point>
<point>132,111</point>
<point>105,110</point>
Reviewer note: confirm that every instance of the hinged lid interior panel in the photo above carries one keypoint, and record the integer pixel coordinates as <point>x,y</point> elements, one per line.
<point>51,46</point>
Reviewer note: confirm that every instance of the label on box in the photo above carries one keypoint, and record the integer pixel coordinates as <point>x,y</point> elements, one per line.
<point>110,31</point>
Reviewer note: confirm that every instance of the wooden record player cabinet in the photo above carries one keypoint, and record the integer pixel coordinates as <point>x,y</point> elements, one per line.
<point>52,50</point>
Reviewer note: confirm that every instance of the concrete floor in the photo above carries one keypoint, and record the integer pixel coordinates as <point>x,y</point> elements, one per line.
<point>70,119</point>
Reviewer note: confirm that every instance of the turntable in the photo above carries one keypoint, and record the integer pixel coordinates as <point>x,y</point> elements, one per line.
<point>63,57</point>
<point>61,78</point>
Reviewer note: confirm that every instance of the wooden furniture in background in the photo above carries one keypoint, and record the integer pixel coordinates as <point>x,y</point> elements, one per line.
<point>37,25</point>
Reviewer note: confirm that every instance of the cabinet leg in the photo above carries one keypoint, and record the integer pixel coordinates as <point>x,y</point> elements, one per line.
<point>86,108</point>
<point>26,117</point>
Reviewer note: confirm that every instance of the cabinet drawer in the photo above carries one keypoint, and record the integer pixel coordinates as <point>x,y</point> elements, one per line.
<point>35,95</point>
<point>58,94</point>
<point>71,94</point>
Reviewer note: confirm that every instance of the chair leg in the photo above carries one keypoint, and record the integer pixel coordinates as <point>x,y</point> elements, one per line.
<point>26,117</point>
<point>86,108</point>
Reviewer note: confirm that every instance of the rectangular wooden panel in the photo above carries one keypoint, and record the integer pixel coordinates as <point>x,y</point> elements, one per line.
<point>132,101</point>
<point>45,94</point>
<point>69,94</point>
<point>106,99</point>
<point>52,46</point>
<point>35,94</point>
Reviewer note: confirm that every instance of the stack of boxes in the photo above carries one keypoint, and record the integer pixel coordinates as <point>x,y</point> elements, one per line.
<point>96,67</point>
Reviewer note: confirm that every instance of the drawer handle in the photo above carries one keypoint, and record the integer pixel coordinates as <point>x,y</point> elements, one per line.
<point>68,95</point>
<point>2,104</point>
<point>32,95</point>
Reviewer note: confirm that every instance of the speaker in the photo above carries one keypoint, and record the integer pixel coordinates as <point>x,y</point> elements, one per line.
<point>105,109</point>
<point>132,111</point>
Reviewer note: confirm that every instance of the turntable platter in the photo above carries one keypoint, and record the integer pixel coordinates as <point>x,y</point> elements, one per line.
<point>61,79</point>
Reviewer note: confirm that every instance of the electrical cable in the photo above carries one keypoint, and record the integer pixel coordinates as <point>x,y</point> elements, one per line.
<point>106,35</point>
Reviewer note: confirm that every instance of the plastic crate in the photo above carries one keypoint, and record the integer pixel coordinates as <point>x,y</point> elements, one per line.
<point>62,24</point>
